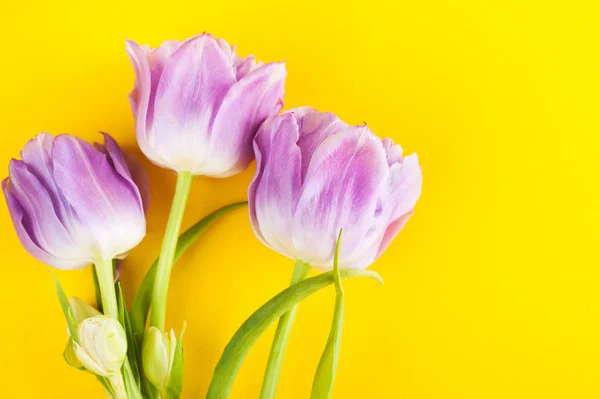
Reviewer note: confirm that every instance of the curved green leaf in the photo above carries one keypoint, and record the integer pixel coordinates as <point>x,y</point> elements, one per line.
<point>325,375</point>
<point>143,298</point>
<point>66,308</point>
<point>239,346</point>
<point>175,384</point>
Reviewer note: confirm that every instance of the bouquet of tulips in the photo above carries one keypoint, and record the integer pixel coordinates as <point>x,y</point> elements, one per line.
<point>325,194</point>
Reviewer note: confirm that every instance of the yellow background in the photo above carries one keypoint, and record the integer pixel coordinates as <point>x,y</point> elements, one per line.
<point>492,288</point>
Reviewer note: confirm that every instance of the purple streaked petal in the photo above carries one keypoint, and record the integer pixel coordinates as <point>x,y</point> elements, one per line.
<point>17,215</point>
<point>247,65</point>
<point>39,216</point>
<point>393,152</point>
<point>273,193</point>
<point>140,99</point>
<point>192,86</point>
<point>403,187</point>
<point>37,155</point>
<point>339,192</point>
<point>122,166</point>
<point>141,179</point>
<point>390,233</point>
<point>247,104</point>
<point>316,127</point>
<point>100,196</point>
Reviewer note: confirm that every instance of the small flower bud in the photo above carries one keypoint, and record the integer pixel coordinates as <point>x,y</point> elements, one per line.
<point>102,345</point>
<point>158,351</point>
<point>82,310</point>
<point>71,357</point>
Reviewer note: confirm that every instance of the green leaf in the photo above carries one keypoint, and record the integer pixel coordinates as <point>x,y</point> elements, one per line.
<point>106,385</point>
<point>325,375</point>
<point>66,308</point>
<point>70,356</point>
<point>239,346</point>
<point>143,298</point>
<point>97,289</point>
<point>133,352</point>
<point>175,384</point>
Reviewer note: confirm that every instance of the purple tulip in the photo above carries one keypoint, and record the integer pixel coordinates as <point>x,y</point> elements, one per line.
<point>316,175</point>
<point>73,204</point>
<point>198,105</point>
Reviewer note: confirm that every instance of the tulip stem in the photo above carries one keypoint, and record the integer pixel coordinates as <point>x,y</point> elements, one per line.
<point>282,334</point>
<point>167,252</point>
<point>106,281</point>
<point>118,385</point>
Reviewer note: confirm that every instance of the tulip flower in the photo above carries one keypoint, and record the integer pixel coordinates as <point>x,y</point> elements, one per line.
<point>317,175</point>
<point>198,105</point>
<point>73,204</point>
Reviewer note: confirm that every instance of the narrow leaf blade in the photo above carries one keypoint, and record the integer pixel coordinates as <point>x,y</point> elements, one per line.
<point>175,384</point>
<point>325,374</point>
<point>66,308</point>
<point>239,346</point>
<point>133,352</point>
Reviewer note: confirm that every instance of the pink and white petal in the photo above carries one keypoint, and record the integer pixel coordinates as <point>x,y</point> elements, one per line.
<point>141,178</point>
<point>40,218</point>
<point>140,100</point>
<point>392,231</point>
<point>192,86</point>
<point>247,65</point>
<point>121,165</point>
<point>247,104</point>
<point>340,191</point>
<point>99,195</point>
<point>273,193</point>
<point>403,188</point>
<point>315,127</point>
<point>393,152</point>
<point>17,215</point>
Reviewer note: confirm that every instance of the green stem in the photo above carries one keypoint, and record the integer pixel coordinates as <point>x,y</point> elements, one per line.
<point>106,281</point>
<point>167,252</point>
<point>238,347</point>
<point>282,335</point>
<point>118,385</point>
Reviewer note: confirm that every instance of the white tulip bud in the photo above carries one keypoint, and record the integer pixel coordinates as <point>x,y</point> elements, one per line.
<point>158,351</point>
<point>102,346</point>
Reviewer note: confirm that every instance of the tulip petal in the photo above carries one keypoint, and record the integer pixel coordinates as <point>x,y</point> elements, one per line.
<point>37,156</point>
<point>339,192</point>
<point>404,187</point>
<point>140,99</point>
<point>141,179</point>
<point>391,232</point>
<point>247,104</point>
<point>99,195</point>
<point>273,193</point>
<point>17,215</point>
<point>396,203</point>
<point>393,152</point>
<point>246,65</point>
<point>126,166</point>
<point>40,218</point>
<point>193,83</point>
<point>316,127</point>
